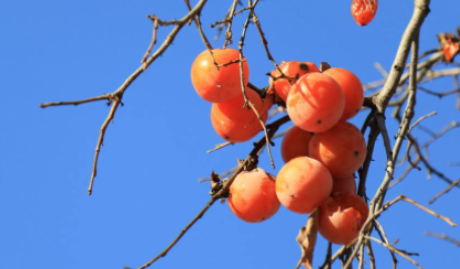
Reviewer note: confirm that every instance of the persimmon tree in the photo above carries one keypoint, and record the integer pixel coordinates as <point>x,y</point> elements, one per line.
<point>350,206</point>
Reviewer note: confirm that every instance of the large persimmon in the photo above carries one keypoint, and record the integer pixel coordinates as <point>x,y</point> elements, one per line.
<point>341,218</point>
<point>252,196</point>
<point>352,89</point>
<point>341,149</point>
<point>303,184</point>
<point>219,83</point>
<point>316,102</point>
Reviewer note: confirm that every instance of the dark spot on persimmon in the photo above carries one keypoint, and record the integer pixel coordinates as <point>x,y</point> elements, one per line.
<point>304,67</point>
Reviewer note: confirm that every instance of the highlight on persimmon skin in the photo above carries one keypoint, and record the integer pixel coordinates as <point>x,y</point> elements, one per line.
<point>363,11</point>
<point>234,108</point>
<point>235,130</point>
<point>352,89</point>
<point>344,184</point>
<point>292,69</point>
<point>295,143</point>
<point>316,102</point>
<point>252,196</point>
<point>341,218</point>
<point>303,184</point>
<point>218,84</point>
<point>341,149</point>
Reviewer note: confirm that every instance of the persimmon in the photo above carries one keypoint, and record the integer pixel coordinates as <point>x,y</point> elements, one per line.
<point>295,143</point>
<point>341,217</point>
<point>303,184</point>
<point>234,108</point>
<point>218,84</point>
<point>352,89</point>
<point>234,130</point>
<point>341,149</point>
<point>292,70</point>
<point>344,184</point>
<point>316,102</point>
<point>363,11</point>
<point>252,196</point>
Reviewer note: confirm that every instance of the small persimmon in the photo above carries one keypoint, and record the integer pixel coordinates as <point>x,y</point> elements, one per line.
<point>363,11</point>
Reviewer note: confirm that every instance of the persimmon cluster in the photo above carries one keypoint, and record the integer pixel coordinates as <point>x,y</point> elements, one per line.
<point>322,151</point>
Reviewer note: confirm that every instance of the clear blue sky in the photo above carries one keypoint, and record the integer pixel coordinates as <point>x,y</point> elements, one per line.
<point>155,151</point>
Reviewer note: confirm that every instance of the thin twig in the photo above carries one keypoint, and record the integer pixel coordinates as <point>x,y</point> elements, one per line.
<point>399,252</point>
<point>109,118</point>
<point>78,102</point>
<point>446,190</point>
<point>429,211</point>
<point>444,237</point>
<point>152,43</point>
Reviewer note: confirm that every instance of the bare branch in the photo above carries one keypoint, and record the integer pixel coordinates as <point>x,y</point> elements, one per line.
<point>444,237</point>
<point>107,97</point>
<point>446,190</point>
<point>399,252</point>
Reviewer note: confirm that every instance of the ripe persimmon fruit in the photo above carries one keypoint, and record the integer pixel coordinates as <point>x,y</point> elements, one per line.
<point>252,196</point>
<point>342,149</point>
<point>292,70</point>
<point>218,84</point>
<point>303,184</point>
<point>363,11</point>
<point>341,217</point>
<point>295,143</point>
<point>352,89</point>
<point>315,102</point>
<point>344,184</point>
<point>234,130</point>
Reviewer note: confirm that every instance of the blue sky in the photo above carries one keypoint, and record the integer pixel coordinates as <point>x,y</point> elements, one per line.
<point>155,150</point>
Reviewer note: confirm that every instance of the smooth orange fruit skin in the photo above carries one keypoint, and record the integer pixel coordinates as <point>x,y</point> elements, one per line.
<point>252,196</point>
<point>234,108</point>
<point>363,11</point>
<point>234,130</point>
<point>341,149</point>
<point>344,184</point>
<point>295,143</point>
<point>341,218</point>
<point>315,103</point>
<point>291,69</point>
<point>352,89</point>
<point>218,85</point>
<point>303,184</point>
